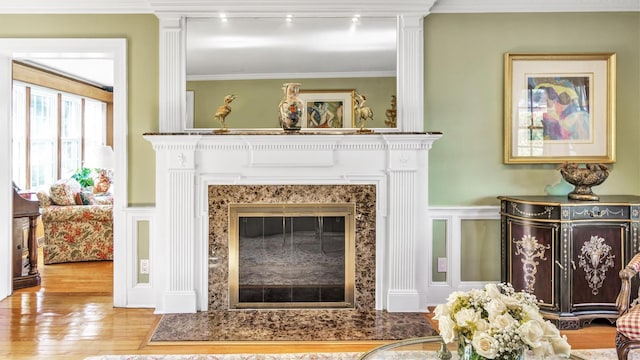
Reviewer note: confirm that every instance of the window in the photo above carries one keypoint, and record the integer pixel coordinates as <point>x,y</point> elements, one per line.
<point>53,133</point>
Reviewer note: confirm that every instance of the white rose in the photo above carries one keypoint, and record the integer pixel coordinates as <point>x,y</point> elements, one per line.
<point>561,346</point>
<point>482,325</point>
<point>466,317</point>
<point>454,296</point>
<point>533,312</point>
<point>550,329</point>
<point>544,350</point>
<point>503,321</point>
<point>485,345</point>
<point>510,302</point>
<point>494,308</point>
<point>441,310</point>
<point>446,327</point>
<point>492,291</point>
<point>531,332</point>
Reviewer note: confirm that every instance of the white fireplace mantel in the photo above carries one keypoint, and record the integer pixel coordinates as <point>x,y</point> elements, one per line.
<point>187,163</point>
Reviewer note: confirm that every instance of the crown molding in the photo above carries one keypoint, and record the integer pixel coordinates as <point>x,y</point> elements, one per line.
<point>75,7</point>
<point>296,7</point>
<point>309,8</point>
<point>507,6</point>
<point>209,7</point>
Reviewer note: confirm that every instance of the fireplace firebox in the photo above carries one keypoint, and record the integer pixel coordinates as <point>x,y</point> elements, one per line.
<point>291,255</point>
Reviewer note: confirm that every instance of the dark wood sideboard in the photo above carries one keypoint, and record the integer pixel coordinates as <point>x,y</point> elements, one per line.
<point>25,268</point>
<point>568,253</point>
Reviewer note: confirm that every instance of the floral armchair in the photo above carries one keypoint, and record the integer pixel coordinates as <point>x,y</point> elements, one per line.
<point>628,324</point>
<point>75,229</point>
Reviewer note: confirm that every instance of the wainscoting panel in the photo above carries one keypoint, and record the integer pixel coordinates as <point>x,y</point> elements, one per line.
<point>465,238</point>
<point>140,234</point>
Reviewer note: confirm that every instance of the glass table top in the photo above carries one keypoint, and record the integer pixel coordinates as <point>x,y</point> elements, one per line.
<point>429,347</point>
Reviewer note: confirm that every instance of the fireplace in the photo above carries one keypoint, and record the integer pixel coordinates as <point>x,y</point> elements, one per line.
<point>272,215</point>
<point>199,174</point>
<point>291,255</point>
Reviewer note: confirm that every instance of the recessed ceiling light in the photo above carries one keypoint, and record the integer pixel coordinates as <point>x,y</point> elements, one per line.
<point>223,17</point>
<point>289,17</point>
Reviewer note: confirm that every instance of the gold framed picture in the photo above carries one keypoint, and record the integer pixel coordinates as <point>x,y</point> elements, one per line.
<point>559,108</point>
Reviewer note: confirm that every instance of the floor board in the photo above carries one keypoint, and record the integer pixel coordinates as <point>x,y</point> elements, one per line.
<point>71,316</point>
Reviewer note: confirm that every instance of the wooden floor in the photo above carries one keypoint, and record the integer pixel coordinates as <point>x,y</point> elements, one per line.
<point>70,316</point>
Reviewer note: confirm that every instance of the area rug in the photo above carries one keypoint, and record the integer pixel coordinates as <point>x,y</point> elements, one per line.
<point>595,354</point>
<point>291,325</point>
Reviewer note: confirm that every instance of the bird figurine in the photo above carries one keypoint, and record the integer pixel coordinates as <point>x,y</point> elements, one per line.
<point>362,113</point>
<point>222,112</point>
<point>583,178</point>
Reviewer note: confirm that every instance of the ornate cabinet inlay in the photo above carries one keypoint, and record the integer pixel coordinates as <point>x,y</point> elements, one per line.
<point>531,250</point>
<point>596,259</point>
<point>568,253</point>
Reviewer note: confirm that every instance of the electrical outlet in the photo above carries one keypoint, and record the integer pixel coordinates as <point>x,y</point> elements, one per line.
<point>144,266</point>
<point>442,264</point>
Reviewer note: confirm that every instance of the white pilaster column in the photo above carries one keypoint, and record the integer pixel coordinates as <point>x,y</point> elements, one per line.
<point>405,225</point>
<point>172,74</point>
<point>410,80</point>
<point>175,245</point>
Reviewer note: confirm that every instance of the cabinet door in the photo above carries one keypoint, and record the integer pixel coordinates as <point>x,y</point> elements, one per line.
<point>530,258</point>
<point>597,257</point>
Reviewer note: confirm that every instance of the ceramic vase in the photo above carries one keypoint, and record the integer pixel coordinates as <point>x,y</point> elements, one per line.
<point>291,107</point>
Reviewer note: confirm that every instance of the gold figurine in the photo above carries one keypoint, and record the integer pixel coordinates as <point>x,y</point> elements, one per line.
<point>222,112</point>
<point>362,113</point>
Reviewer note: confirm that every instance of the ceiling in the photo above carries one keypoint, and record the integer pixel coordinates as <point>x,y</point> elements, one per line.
<point>98,72</point>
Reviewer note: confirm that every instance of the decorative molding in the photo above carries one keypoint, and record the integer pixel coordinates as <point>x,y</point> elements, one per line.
<point>295,7</point>
<point>320,75</point>
<point>75,7</point>
<point>512,6</point>
<point>315,8</point>
<point>454,216</point>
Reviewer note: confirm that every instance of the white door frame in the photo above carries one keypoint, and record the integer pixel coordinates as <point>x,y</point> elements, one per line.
<point>88,48</point>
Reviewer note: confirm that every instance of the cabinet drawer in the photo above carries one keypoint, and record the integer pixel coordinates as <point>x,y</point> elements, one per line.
<point>530,211</point>
<point>600,212</point>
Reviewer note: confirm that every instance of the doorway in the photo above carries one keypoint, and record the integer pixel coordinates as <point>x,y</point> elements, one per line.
<point>34,49</point>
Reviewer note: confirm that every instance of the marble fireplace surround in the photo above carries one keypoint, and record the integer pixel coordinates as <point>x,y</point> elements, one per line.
<point>363,196</point>
<point>189,164</point>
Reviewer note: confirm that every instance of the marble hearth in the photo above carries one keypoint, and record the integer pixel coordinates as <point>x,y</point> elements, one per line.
<point>196,171</point>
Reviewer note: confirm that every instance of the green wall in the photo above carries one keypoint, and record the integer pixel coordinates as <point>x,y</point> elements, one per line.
<point>257,103</point>
<point>464,98</point>
<point>141,32</point>
<point>463,93</point>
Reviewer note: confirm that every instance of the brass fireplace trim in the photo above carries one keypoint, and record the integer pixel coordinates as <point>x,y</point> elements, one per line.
<point>291,210</point>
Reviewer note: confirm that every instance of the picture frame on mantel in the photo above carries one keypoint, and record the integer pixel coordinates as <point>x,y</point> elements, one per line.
<point>325,109</point>
<point>559,108</point>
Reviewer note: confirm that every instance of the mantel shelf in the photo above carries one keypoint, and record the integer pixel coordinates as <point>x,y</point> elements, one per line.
<point>277,132</point>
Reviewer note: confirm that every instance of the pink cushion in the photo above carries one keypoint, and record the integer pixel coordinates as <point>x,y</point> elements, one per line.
<point>629,323</point>
<point>63,192</point>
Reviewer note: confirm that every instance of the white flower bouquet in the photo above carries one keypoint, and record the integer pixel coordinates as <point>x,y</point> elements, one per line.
<point>498,323</point>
